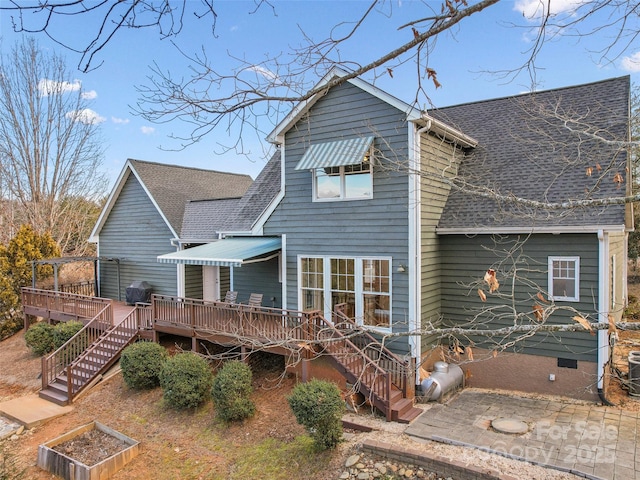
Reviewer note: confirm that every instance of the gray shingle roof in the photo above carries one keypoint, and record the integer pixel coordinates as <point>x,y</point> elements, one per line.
<point>205,219</point>
<point>526,151</point>
<point>172,186</point>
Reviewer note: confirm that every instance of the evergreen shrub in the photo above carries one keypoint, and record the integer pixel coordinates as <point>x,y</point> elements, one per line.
<point>141,364</point>
<point>318,406</point>
<point>186,380</point>
<point>231,392</point>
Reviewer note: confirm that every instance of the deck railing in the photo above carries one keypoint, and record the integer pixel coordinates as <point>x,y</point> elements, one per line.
<point>70,305</point>
<point>78,377</point>
<point>274,325</point>
<point>87,288</point>
<point>366,371</point>
<point>400,370</point>
<point>144,316</point>
<point>56,363</point>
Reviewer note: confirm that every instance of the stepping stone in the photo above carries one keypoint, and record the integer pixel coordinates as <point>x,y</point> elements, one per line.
<point>509,425</point>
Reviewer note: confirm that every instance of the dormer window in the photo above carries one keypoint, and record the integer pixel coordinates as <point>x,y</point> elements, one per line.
<point>341,169</point>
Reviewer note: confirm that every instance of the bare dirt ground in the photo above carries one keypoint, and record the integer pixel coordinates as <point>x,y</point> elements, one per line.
<point>194,445</point>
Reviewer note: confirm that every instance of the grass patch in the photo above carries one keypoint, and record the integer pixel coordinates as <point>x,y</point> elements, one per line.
<point>278,460</point>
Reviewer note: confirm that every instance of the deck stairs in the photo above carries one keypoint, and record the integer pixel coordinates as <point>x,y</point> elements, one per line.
<point>383,378</point>
<point>84,358</point>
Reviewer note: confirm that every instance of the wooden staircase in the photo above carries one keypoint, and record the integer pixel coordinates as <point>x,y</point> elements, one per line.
<point>382,377</point>
<point>86,356</point>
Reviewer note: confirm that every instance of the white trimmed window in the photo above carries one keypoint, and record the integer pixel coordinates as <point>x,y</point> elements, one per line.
<point>358,287</point>
<point>564,278</point>
<point>350,182</point>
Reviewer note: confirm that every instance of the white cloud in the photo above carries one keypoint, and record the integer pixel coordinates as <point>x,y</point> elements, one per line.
<point>147,130</point>
<point>48,87</point>
<point>121,121</point>
<point>90,95</point>
<point>631,63</point>
<point>534,9</point>
<point>86,116</point>
<point>266,73</point>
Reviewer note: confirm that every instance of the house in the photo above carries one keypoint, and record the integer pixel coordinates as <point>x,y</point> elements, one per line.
<point>144,215</point>
<point>392,216</point>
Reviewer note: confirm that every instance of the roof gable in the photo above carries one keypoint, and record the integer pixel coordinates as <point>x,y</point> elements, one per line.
<point>205,220</point>
<point>539,147</point>
<point>329,81</point>
<point>170,187</point>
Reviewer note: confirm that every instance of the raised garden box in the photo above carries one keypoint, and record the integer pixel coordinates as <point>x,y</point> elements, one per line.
<point>69,455</point>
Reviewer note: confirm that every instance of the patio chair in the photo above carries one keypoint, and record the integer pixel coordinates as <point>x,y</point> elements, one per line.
<point>230,297</point>
<point>255,300</point>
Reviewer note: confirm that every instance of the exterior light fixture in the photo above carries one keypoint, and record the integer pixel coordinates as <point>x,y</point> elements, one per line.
<point>402,268</point>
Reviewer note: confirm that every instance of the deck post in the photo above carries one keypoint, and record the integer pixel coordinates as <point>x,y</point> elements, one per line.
<point>194,344</point>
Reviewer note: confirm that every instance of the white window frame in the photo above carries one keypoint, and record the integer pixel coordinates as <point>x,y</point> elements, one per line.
<point>359,291</point>
<point>343,179</point>
<point>551,278</point>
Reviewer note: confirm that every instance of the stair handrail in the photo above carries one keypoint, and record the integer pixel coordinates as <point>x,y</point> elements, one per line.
<point>128,324</point>
<point>385,395</point>
<point>55,363</point>
<point>402,368</point>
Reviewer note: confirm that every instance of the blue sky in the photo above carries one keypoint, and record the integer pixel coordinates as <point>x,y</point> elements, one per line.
<point>487,41</point>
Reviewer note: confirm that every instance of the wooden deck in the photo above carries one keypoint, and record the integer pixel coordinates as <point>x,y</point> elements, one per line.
<point>385,379</point>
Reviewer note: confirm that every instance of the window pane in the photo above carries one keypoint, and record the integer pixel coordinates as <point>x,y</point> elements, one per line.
<point>357,186</point>
<point>376,311</point>
<point>312,283</point>
<point>327,185</point>
<point>564,272</point>
<point>343,284</point>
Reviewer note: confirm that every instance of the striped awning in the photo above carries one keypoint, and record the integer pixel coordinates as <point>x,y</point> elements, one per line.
<point>228,252</point>
<point>338,153</point>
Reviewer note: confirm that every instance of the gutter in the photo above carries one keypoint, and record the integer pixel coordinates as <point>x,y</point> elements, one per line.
<point>603,302</point>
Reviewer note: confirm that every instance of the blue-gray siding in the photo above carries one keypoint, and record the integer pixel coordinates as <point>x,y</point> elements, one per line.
<point>521,268</point>
<point>136,233</point>
<point>193,281</point>
<point>374,227</point>
<point>259,277</point>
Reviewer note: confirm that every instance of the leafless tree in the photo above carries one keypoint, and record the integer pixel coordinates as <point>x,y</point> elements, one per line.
<point>50,147</point>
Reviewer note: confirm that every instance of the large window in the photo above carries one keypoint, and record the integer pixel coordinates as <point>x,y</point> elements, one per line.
<point>359,288</point>
<point>343,183</point>
<point>564,278</point>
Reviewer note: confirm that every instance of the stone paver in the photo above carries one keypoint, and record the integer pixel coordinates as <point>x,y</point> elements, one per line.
<point>586,439</point>
<point>7,427</point>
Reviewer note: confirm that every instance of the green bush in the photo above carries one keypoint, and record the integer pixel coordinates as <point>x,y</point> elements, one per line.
<point>141,364</point>
<point>185,380</point>
<point>231,392</point>
<point>39,338</point>
<point>63,331</point>
<point>318,406</point>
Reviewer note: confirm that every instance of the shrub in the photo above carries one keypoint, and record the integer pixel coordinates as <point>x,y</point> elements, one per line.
<point>318,406</point>
<point>62,332</point>
<point>185,380</point>
<point>231,392</point>
<point>39,338</point>
<point>141,364</point>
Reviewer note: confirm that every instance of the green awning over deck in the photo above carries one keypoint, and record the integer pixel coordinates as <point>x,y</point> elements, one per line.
<point>228,252</point>
<point>338,153</point>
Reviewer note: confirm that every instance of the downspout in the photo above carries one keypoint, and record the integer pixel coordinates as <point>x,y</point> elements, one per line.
<point>415,247</point>
<point>603,302</point>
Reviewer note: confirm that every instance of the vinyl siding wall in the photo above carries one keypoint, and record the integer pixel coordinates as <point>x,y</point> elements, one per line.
<point>136,233</point>
<point>373,227</point>
<point>437,158</point>
<point>259,277</point>
<point>617,265</point>
<point>465,261</point>
<point>193,281</point>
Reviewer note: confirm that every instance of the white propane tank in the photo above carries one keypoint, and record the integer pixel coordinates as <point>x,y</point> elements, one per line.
<point>444,378</point>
